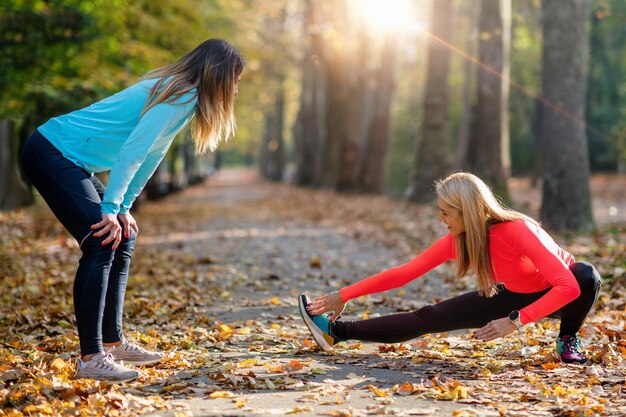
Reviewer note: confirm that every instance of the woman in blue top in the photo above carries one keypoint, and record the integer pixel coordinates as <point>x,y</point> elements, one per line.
<point>127,134</point>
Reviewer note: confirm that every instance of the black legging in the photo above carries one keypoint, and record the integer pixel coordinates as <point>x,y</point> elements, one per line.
<point>472,310</point>
<point>74,196</point>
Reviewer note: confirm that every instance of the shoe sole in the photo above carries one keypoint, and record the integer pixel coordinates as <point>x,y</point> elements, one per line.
<point>317,333</point>
<point>107,379</point>
<point>576,361</point>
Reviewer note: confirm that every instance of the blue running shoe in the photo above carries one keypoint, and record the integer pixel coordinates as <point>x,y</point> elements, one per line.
<point>318,325</point>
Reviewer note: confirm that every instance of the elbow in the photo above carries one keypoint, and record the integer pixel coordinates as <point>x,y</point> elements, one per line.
<point>573,292</point>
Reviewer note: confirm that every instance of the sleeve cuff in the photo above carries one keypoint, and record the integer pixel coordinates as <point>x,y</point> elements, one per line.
<point>109,208</point>
<point>523,317</point>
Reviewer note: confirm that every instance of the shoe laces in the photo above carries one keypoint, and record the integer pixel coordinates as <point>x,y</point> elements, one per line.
<point>106,362</point>
<point>571,344</point>
<point>131,347</point>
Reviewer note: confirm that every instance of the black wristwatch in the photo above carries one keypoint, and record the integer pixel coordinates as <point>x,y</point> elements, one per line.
<point>514,316</point>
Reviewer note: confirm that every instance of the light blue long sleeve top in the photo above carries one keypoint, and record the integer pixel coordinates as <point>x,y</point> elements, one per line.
<point>112,135</point>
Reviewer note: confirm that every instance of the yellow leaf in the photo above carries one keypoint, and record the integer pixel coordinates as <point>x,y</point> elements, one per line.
<point>224,328</point>
<point>247,363</point>
<point>356,346</point>
<point>272,368</point>
<point>377,391</point>
<point>294,410</point>
<point>240,404</point>
<point>275,301</point>
<point>222,394</point>
<point>341,413</point>
<point>59,364</point>
<point>275,326</point>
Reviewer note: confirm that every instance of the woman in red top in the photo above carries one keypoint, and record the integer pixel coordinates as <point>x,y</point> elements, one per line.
<point>522,275</point>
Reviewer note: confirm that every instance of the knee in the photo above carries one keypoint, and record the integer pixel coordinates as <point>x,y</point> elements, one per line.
<point>587,276</point>
<point>427,312</point>
<point>90,242</point>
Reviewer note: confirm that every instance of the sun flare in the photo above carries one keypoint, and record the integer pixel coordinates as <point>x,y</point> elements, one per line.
<point>386,15</point>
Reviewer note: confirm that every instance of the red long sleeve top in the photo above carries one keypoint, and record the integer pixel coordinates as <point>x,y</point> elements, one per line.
<point>523,256</point>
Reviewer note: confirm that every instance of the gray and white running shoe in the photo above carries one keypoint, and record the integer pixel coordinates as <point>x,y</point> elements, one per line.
<point>133,354</point>
<point>103,367</point>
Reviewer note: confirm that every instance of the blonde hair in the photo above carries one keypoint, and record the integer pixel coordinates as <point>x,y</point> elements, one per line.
<point>480,208</point>
<point>212,68</point>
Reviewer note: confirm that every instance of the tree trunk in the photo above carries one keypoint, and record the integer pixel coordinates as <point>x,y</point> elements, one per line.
<point>433,155</point>
<point>566,200</point>
<point>272,151</point>
<point>308,128</point>
<point>463,139</point>
<point>377,135</point>
<point>14,192</point>
<point>343,56</point>
<point>272,155</point>
<point>489,152</point>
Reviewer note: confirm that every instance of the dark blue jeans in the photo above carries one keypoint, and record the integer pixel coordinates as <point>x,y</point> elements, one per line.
<point>471,310</point>
<point>74,196</point>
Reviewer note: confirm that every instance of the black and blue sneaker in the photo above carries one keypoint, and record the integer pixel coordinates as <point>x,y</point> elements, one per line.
<point>318,325</point>
<point>569,348</point>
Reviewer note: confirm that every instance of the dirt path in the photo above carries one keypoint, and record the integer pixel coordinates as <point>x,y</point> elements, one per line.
<point>214,282</point>
<point>259,245</point>
<point>254,243</point>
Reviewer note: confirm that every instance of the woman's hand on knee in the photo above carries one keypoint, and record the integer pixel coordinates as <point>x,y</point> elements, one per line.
<point>495,329</point>
<point>110,225</point>
<point>128,222</point>
<point>327,303</point>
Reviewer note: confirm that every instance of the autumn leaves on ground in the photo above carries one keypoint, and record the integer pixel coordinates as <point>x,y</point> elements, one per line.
<point>214,282</point>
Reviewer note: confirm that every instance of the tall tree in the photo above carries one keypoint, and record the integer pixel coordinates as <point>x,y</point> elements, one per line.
<point>309,128</point>
<point>566,200</point>
<point>433,156</point>
<point>471,10</point>
<point>344,57</point>
<point>489,151</point>
<point>376,138</point>
<point>13,191</point>
<point>272,155</point>
<point>606,94</point>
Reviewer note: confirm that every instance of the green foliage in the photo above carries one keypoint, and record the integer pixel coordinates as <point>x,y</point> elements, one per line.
<point>61,55</point>
<point>606,92</point>
<point>526,73</point>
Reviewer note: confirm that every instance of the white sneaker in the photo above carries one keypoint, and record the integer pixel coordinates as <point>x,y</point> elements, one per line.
<point>102,367</point>
<point>133,354</point>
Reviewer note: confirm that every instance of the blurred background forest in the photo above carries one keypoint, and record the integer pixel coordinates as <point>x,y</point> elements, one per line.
<point>381,96</point>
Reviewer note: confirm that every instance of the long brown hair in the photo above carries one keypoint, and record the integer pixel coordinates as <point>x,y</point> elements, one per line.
<point>212,68</point>
<point>480,208</point>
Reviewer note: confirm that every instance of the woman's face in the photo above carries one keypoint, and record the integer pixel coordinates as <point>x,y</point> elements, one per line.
<point>451,217</point>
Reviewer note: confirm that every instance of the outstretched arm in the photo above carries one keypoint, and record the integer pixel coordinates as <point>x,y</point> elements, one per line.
<point>440,251</point>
